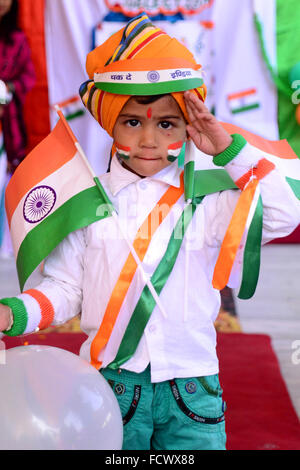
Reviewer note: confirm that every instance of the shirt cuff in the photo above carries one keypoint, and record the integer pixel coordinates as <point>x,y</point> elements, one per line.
<point>238,143</point>
<point>19,314</point>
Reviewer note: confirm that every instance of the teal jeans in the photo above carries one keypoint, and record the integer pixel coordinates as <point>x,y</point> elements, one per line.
<point>179,414</point>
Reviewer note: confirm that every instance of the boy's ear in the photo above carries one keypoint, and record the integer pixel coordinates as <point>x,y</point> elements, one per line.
<point>187,136</point>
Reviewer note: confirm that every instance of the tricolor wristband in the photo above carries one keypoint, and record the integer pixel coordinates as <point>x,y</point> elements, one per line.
<point>230,152</point>
<point>19,313</point>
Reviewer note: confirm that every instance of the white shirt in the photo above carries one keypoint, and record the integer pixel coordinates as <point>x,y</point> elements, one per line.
<point>82,271</point>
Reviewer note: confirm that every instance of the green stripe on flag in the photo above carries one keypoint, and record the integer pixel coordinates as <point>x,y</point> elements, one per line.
<point>146,303</point>
<point>79,211</point>
<point>205,182</point>
<point>189,176</point>
<point>181,156</point>
<point>283,87</point>
<point>245,108</point>
<point>251,261</point>
<point>212,181</point>
<point>74,115</point>
<point>295,185</point>
<point>158,88</point>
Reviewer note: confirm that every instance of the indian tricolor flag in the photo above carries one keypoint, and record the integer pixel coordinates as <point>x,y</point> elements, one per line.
<point>51,194</point>
<point>247,219</point>
<point>243,101</point>
<point>71,107</point>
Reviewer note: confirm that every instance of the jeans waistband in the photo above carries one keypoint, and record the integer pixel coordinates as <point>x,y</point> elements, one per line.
<point>142,378</point>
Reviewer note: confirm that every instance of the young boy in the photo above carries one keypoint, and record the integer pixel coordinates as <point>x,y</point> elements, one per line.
<point>160,362</point>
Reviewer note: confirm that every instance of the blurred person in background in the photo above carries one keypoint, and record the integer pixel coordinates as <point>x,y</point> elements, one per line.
<point>17,78</point>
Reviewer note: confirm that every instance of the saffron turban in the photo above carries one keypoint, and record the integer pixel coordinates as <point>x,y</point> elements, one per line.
<point>139,59</point>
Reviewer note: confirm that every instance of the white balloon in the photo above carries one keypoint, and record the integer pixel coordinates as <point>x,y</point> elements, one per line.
<point>51,399</point>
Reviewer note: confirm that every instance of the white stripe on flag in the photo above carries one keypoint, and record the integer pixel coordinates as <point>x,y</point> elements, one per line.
<point>253,207</point>
<point>190,152</point>
<point>242,101</point>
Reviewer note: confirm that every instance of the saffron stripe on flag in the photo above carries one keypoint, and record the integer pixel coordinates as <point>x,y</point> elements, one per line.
<point>49,155</point>
<point>242,94</point>
<point>278,148</point>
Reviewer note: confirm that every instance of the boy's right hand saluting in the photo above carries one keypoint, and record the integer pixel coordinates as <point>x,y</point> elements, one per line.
<point>206,131</point>
<point>5,317</point>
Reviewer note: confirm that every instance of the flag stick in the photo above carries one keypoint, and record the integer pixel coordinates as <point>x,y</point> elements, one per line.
<point>113,213</point>
<point>186,273</point>
<point>189,170</point>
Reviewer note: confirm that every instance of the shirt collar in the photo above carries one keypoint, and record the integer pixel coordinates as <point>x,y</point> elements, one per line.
<point>120,177</point>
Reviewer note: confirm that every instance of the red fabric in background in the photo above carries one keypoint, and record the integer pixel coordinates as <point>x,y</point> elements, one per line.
<point>292,238</point>
<point>260,415</point>
<point>68,341</point>
<point>36,108</point>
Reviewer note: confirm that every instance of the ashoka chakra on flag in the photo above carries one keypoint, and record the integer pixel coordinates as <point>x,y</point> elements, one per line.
<point>38,203</point>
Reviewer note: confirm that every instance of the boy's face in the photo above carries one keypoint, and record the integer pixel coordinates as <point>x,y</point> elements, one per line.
<point>149,133</point>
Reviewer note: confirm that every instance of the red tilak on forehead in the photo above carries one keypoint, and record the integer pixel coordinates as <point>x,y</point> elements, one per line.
<point>149,113</point>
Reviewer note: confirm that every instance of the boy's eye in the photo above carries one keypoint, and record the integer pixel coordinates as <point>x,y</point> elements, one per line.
<point>133,122</point>
<point>165,124</point>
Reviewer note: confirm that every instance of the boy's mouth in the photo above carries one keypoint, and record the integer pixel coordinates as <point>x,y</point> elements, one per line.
<point>145,158</point>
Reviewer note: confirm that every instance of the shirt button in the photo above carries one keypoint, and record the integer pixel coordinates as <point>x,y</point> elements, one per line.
<point>152,328</point>
<point>143,185</point>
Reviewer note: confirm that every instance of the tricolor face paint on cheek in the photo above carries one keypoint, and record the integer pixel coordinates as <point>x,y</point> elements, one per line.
<point>174,150</point>
<point>122,151</point>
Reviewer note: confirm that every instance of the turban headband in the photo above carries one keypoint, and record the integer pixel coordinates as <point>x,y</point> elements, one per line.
<point>140,59</point>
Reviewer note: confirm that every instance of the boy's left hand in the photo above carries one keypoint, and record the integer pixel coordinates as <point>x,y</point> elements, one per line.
<point>208,134</point>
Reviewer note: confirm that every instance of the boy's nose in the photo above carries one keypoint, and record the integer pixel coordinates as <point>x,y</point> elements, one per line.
<point>148,137</point>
